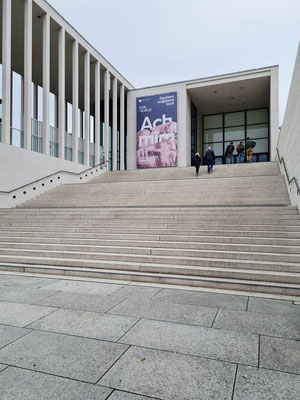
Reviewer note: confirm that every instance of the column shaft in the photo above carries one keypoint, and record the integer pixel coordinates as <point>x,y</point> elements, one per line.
<point>61,94</point>
<point>75,84</point>
<point>106,115</point>
<point>97,112</point>
<point>27,73</point>
<point>115,124</point>
<point>6,71</point>
<point>122,125</point>
<point>46,83</point>
<point>87,108</point>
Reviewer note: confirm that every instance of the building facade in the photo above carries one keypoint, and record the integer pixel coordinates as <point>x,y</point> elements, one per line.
<point>62,99</point>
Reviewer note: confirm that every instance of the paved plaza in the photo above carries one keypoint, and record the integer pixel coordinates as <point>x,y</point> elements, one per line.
<point>82,340</point>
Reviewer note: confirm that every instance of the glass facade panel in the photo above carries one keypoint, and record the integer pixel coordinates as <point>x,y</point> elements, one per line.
<point>257,116</point>
<point>235,119</point>
<point>216,147</point>
<point>258,131</point>
<point>237,133</point>
<point>262,146</point>
<point>213,121</point>
<point>213,135</point>
<point>235,143</point>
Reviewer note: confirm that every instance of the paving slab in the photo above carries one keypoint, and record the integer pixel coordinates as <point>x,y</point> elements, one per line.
<point>23,295</point>
<point>80,301</point>
<point>170,376</point>
<point>103,289</point>
<point>2,367</point>
<point>270,306</point>
<point>25,281</point>
<point>263,324</point>
<point>194,315</point>
<point>280,354</point>
<point>18,314</point>
<point>67,356</point>
<point>9,334</point>
<point>19,384</point>
<point>86,324</point>
<point>118,395</point>
<point>135,293</point>
<point>218,344</point>
<point>262,384</point>
<point>228,301</point>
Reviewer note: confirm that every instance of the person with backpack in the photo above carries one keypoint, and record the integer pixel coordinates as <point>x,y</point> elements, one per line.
<point>249,146</point>
<point>197,163</point>
<point>241,152</point>
<point>210,159</point>
<point>229,153</point>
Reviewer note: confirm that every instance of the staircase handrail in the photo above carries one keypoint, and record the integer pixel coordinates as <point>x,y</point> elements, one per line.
<point>54,173</point>
<point>294,179</point>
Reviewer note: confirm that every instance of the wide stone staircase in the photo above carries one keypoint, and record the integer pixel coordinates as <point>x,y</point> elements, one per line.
<point>233,229</point>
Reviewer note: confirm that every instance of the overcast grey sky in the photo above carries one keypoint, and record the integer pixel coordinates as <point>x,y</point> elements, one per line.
<point>151,42</point>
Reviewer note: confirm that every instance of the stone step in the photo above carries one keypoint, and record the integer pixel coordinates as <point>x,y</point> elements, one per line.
<point>208,259</point>
<point>168,269</point>
<point>219,242</point>
<point>91,245</point>
<point>172,279</point>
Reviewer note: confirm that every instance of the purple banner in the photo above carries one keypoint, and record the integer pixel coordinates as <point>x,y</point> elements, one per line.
<point>156,139</point>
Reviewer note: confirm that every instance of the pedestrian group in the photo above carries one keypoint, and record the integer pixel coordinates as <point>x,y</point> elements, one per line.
<point>210,157</point>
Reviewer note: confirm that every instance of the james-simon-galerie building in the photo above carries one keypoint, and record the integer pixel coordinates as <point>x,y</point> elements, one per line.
<point>65,107</point>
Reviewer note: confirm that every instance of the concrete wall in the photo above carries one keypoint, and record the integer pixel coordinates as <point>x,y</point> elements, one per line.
<point>183,122</point>
<point>289,139</point>
<point>21,167</point>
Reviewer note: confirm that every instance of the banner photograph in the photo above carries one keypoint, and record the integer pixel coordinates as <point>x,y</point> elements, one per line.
<point>156,139</point>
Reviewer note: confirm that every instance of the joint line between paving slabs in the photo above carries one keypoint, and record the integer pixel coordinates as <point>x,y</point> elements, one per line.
<point>125,391</point>
<point>139,319</point>
<point>248,299</point>
<point>150,298</point>
<point>258,356</point>
<point>214,318</point>
<point>56,309</point>
<point>96,383</point>
<point>45,298</point>
<point>116,305</point>
<point>234,383</point>
<point>25,334</point>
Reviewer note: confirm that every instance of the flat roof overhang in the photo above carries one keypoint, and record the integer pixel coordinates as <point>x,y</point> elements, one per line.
<point>232,93</point>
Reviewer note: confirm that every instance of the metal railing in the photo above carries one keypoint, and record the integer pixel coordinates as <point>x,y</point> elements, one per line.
<point>85,172</point>
<point>293,179</point>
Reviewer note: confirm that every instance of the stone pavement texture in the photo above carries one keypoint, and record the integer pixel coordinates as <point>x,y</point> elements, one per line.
<point>78,339</point>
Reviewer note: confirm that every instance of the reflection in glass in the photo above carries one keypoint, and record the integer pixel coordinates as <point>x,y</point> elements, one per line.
<point>213,121</point>
<point>258,131</point>
<point>213,135</point>
<point>237,133</point>
<point>262,146</point>
<point>235,119</point>
<point>257,116</point>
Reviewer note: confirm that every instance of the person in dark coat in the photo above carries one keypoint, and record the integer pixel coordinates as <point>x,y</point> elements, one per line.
<point>229,153</point>
<point>197,163</point>
<point>210,159</point>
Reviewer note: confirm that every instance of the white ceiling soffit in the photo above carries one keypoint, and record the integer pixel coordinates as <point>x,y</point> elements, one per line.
<point>231,94</point>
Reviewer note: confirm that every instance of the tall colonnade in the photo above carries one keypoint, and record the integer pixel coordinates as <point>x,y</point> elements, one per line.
<point>77,76</point>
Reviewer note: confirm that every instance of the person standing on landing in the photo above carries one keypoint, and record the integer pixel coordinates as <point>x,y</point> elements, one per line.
<point>229,153</point>
<point>241,152</point>
<point>197,163</point>
<point>249,146</point>
<point>210,159</point>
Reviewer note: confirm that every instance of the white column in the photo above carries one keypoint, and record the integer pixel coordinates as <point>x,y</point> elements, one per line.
<point>115,124</point>
<point>106,114</point>
<point>97,112</point>
<point>46,83</point>
<point>6,71</point>
<point>87,108</point>
<point>274,113</point>
<point>61,93</point>
<point>122,125</point>
<point>75,84</point>
<point>27,73</point>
